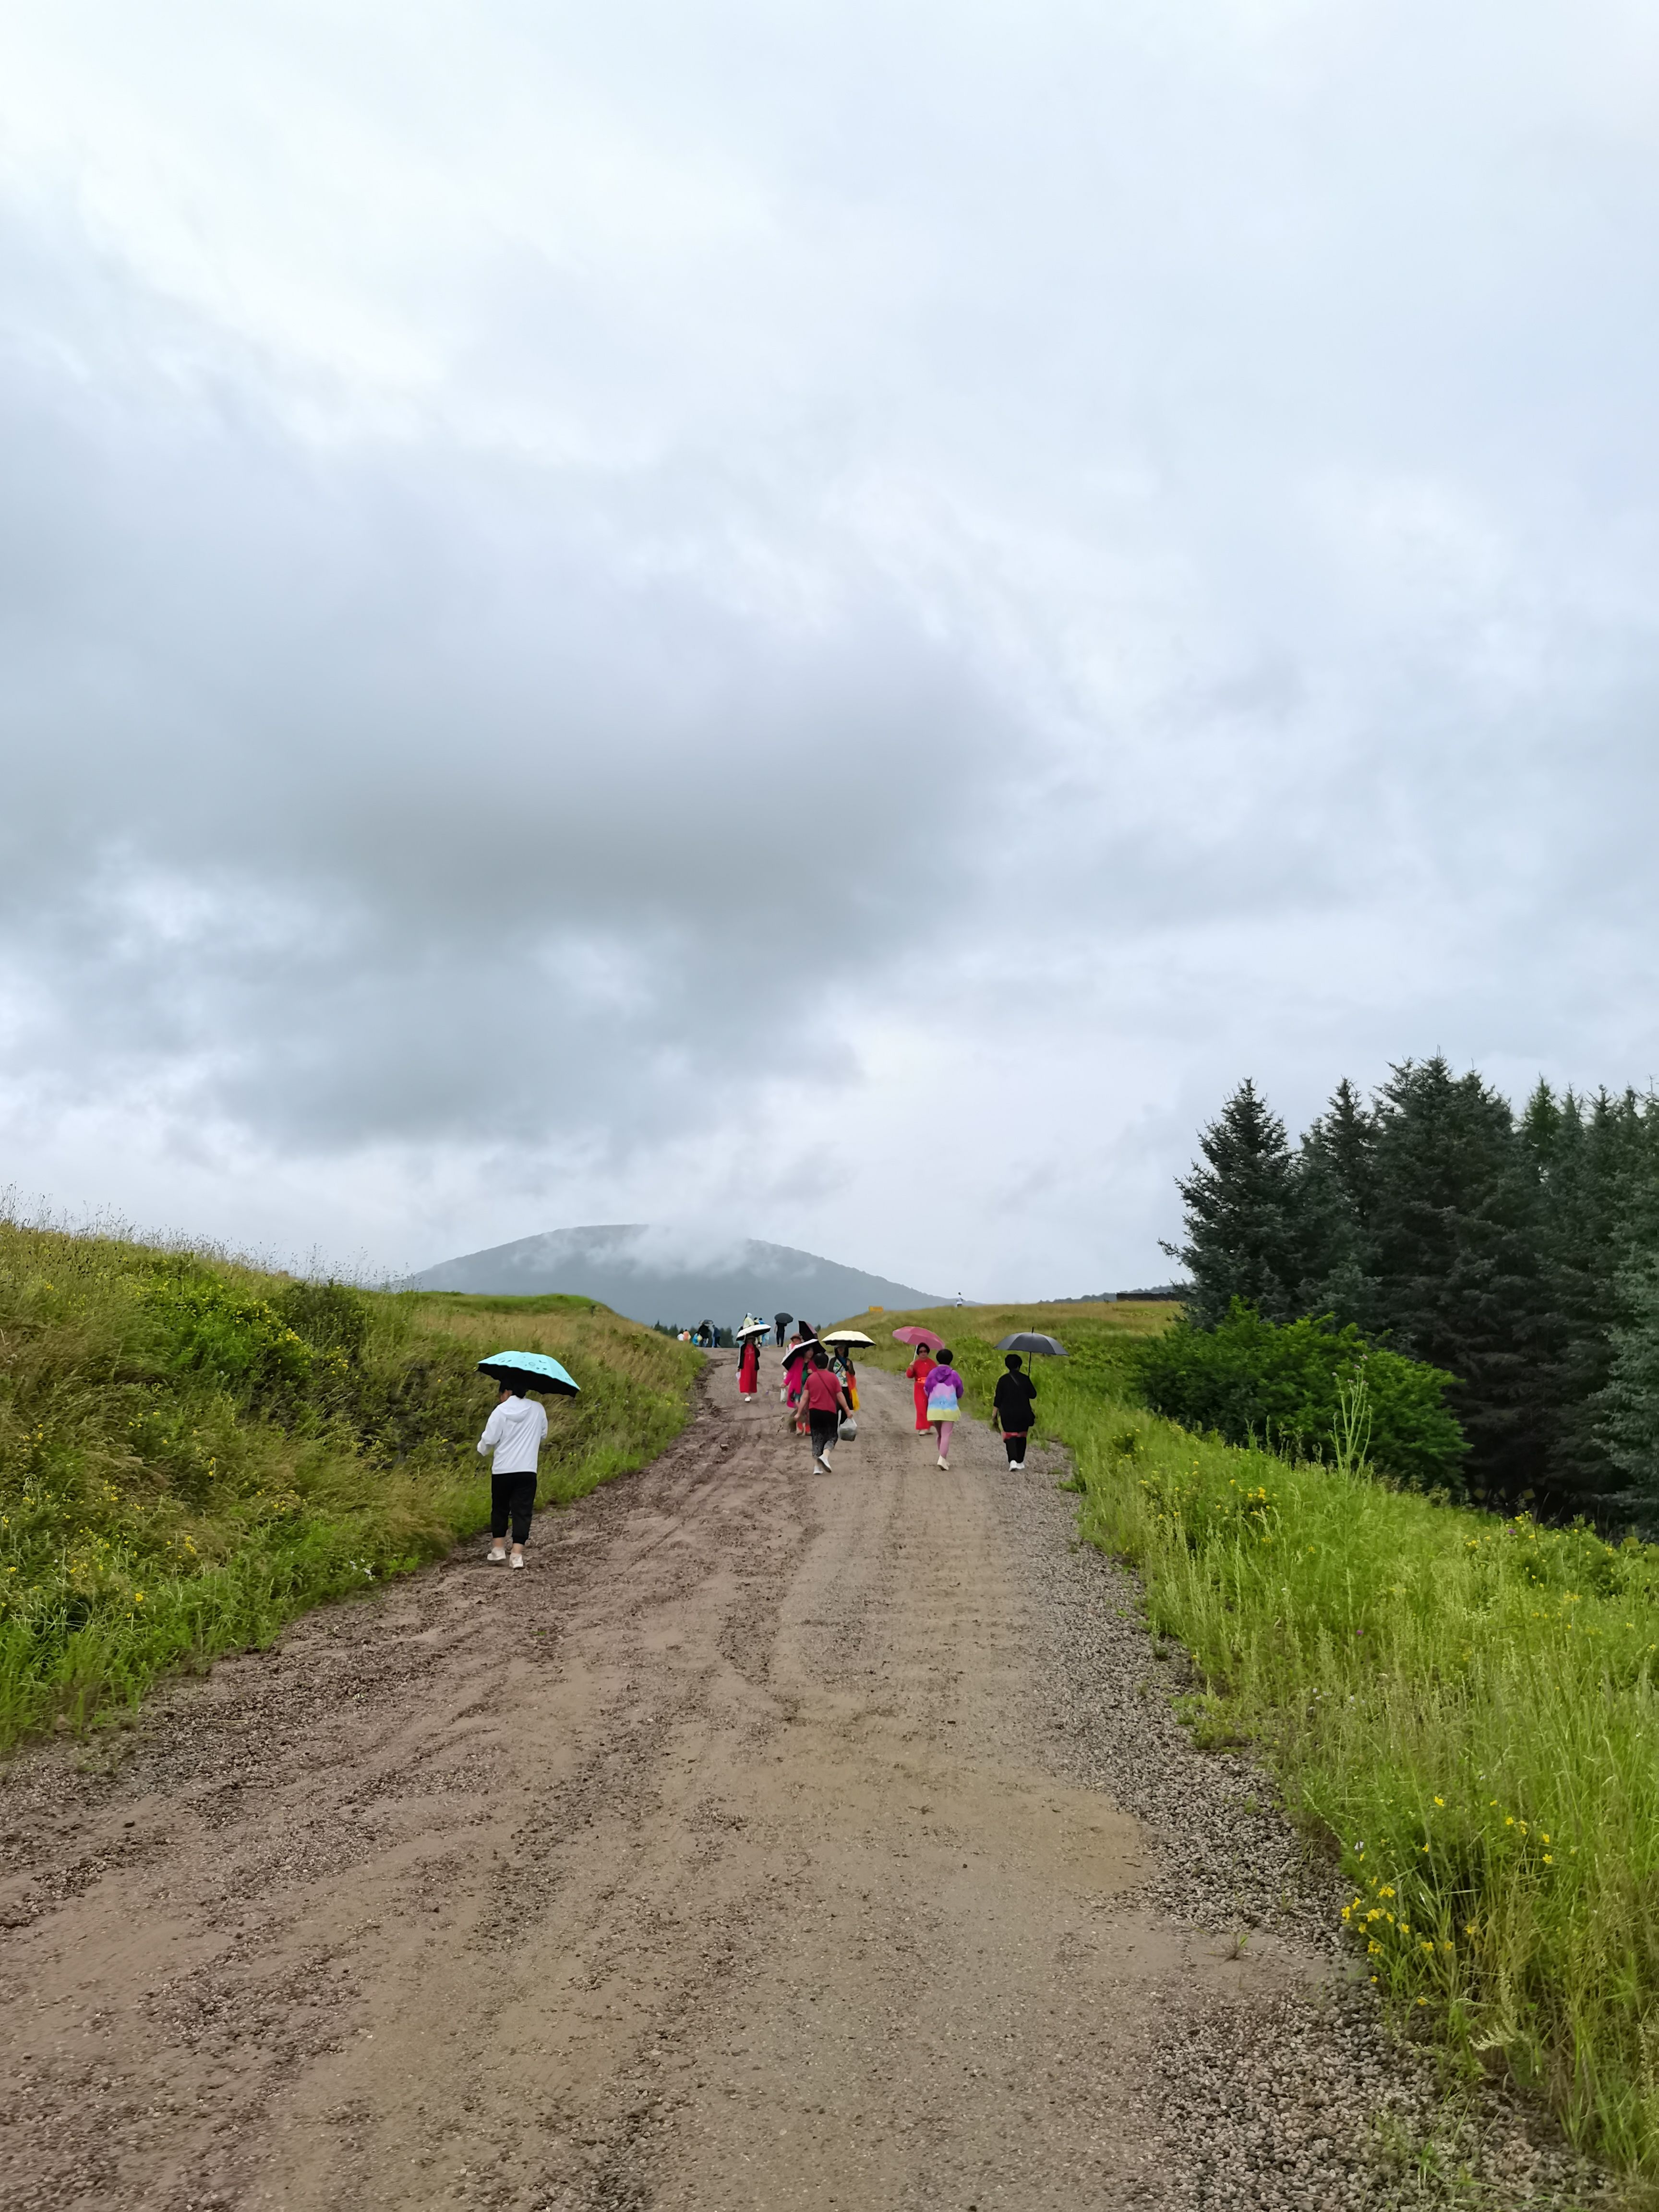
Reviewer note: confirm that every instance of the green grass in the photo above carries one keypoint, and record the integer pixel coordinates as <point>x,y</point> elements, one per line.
<point>192,1451</point>
<point>1465,1707</point>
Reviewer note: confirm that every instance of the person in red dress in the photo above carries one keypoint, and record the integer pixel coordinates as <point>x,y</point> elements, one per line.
<point>919,1370</point>
<point>748,1368</point>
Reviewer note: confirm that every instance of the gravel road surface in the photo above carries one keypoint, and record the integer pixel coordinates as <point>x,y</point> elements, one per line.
<point>773,1840</point>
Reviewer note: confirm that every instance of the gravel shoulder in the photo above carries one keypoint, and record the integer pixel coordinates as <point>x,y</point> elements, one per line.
<point>773,1840</point>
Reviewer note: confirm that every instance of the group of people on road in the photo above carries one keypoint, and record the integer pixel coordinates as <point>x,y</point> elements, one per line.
<point>820,1386</point>
<point>939,1391</point>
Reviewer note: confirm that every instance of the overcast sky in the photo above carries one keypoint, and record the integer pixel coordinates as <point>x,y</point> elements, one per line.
<point>823,620</point>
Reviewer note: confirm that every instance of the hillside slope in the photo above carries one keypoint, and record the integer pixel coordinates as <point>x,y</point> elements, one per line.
<point>655,1274</point>
<point>192,1451</point>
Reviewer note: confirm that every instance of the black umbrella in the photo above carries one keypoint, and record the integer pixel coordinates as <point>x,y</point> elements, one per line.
<point>1045,1347</point>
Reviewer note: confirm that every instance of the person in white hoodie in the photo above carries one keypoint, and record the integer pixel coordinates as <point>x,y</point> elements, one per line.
<point>514,1432</point>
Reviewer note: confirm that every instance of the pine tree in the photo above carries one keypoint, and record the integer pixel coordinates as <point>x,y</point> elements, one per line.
<point>1630,1403</point>
<point>1243,1219</point>
<point>1584,1161</point>
<point>1519,1253</point>
<point>1338,1202</point>
<point>1460,1276</point>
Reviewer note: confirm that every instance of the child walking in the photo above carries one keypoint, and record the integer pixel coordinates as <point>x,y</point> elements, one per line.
<point>945,1390</point>
<point>514,1432</point>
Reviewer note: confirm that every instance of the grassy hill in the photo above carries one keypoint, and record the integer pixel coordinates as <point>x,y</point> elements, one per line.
<point>1099,1336</point>
<point>193,1450</point>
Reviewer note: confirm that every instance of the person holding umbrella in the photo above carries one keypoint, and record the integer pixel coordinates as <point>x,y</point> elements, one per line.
<point>917,1372</point>
<point>749,1361</point>
<point>794,1362</point>
<point>781,1322</point>
<point>1016,1409</point>
<point>514,1432</point>
<point>801,1351</point>
<point>841,1360</point>
<point>840,1342</point>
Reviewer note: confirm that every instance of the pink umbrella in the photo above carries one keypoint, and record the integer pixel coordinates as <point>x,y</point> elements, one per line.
<point>919,1336</point>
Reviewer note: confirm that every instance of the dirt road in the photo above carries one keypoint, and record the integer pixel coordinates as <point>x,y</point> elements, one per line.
<point>745,1851</point>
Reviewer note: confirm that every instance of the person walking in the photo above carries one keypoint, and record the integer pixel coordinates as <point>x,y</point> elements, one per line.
<point>781,1322</point>
<point>514,1432</point>
<point>842,1363</point>
<point>748,1368</point>
<point>918,1371</point>
<point>825,1400</point>
<point>808,1345</point>
<point>945,1394</point>
<point>1016,1405</point>
<point>793,1362</point>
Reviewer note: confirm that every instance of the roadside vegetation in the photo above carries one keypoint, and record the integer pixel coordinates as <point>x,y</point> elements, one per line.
<point>1516,1251</point>
<point>193,1450</point>
<point>1461,1706</point>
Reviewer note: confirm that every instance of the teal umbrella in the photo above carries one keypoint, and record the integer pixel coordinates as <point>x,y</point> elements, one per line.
<point>533,1369</point>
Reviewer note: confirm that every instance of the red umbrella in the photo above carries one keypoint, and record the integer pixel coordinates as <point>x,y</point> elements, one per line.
<point>919,1336</point>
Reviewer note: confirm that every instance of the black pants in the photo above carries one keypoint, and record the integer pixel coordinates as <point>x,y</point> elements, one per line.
<point>514,1495</point>
<point>825,1427</point>
<point>1016,1450</point>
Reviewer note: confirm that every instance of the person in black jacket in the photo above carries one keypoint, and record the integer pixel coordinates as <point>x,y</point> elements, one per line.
<point>1015,1400</point>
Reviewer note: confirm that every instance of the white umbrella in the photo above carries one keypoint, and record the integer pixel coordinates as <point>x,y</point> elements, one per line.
<point>849,1336</point>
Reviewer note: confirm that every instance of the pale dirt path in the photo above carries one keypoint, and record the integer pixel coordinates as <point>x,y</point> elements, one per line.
<point>710,1863</point>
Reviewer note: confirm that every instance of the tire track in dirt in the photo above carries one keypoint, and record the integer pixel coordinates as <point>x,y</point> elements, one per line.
<point>725,1859</point>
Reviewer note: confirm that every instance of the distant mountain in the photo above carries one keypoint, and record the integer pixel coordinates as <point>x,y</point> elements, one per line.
<point>670,1275</point>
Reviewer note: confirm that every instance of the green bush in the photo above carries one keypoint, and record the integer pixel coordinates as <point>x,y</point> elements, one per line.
<point>228,1336</point>
<point>329,1316</point>
<point>1250,1380</point>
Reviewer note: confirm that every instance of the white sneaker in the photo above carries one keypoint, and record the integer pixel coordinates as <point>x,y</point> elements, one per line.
<point>944,1463</point>
<point>497,1557</point>
<point>1018,1467</point>
<point>517,1560</point>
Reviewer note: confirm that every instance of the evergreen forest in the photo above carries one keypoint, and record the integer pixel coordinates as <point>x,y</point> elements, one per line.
<point>1518,1253</point>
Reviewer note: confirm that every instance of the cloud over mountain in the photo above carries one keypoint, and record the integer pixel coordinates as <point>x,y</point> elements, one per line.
<point>834,624</point>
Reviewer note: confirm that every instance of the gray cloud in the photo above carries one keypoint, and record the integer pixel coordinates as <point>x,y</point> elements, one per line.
<point>672,614</point>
